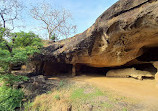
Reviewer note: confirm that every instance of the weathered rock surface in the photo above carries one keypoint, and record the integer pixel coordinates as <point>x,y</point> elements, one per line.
<point>37,85</point>
<point>129,72</point>
<point>121,34</point>
<point>156,66</point>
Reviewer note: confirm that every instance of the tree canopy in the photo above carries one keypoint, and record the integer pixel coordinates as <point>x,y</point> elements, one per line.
<point>15,48</point>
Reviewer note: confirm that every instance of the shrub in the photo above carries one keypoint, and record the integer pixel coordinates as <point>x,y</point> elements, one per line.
<point>10,98</point>
<point>28,106</point>
<point>16,48</point>
<point>9,79</point>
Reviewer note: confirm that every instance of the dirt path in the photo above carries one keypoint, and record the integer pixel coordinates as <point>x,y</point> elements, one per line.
<point>145,91</point>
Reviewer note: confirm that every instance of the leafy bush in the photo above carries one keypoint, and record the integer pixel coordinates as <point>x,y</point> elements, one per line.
<point>28,106</point>
<point>23,39</point>
<point>9,79</point>
<point>16,48</point>
<point>10,98</point>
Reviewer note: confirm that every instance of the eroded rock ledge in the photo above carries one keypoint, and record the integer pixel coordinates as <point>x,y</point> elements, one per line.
<point>126,33</point>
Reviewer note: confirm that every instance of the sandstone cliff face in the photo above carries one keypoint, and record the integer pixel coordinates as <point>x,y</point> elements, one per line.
<point>121,34</point>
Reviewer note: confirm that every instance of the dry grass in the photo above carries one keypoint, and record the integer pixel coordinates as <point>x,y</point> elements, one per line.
<point>49,102</point>
<point>80,97</point>
<point>57,100</point>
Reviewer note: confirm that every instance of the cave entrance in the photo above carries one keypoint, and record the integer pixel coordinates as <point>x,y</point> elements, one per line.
<point>57,69</point>
<point>92,71</point>
<point>17,67</point>
<point>150,54</point>
<point>62,69</point>
<point>145,67</point>
<point>137,71</point>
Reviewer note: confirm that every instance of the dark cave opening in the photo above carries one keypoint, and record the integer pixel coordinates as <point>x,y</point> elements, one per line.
<point>61,69</point>
<point>100,72</point>
<point>150,54</point>
<point>92,71</point>
<point>17,67</point>
<point>57,69</point>
<point>145,67</point>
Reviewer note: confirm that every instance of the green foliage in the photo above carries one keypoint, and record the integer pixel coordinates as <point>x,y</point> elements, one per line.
<point>28,105</point>
<point>57,97</point>
<point>4,59</point>
<point>82,95</point>
<point>124,109</point>
<point>3,32</point>
<point>61,83</point>
<point>53,37</point>
<point>18,56</point>
<point>23,39</point>
<point>9,79</point>
<point>21,55</point>
<point>17,48</point>
<point>49,92</point>
<point>10,98</point>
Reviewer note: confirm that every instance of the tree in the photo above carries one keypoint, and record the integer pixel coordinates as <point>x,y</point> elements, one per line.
<point>23,39</point>
<point>9,11</point>
<point>54,37</point>
<point>17,48</point>
<point>55,21</point>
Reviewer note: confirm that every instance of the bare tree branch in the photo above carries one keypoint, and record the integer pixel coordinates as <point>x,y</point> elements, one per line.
<point>54,21</point>
<point>9,11</point>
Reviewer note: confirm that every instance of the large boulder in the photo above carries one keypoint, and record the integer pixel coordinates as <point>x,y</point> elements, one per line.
<point>121,34</point>
<point>129,72</point>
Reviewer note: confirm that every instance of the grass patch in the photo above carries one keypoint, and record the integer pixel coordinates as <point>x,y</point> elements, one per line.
<point>57,97</point>
<point>28,105</point>
<point>124,109</point>
<point>81,97</point>
<point>80,93</point>
<point>107,105</point>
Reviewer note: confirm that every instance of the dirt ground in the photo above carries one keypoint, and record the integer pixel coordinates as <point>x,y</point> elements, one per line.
<point>145,91</point>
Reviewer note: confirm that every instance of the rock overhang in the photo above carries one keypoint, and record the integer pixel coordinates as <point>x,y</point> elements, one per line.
<point>118,36</point>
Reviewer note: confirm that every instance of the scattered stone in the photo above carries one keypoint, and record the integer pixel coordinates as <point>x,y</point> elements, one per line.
<point>36,85</point>
<point>69,108</point>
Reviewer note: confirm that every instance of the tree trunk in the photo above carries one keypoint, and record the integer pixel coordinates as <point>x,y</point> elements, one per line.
<point>3,20</point>
<point>10,68</point>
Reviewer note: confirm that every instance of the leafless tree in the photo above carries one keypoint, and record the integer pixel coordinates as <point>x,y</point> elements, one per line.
<point>9,11</point>
<point>55,21</point>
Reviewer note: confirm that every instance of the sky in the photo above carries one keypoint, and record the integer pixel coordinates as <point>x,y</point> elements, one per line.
<point>84,14</point>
